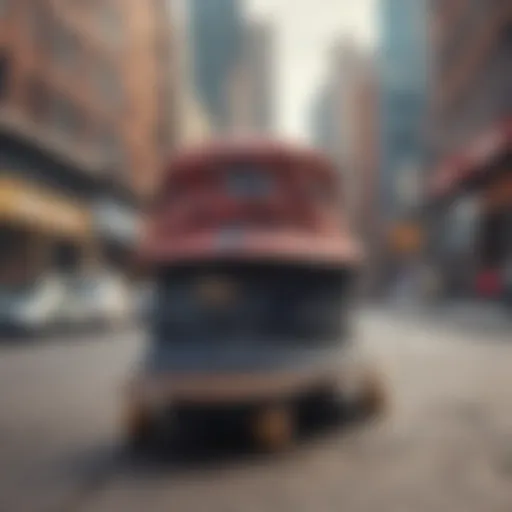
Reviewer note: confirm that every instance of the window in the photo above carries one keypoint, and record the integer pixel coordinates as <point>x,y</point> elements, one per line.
<point>40,26</point>
<point>112,149</point>
<point>64,47</point>
<point>4,8</point>
<point>38,99</point>
<point>66,117</point>
<point>249,182</point>
<point>4,76</point>
<point>108,84</point>
<point>110,22</point>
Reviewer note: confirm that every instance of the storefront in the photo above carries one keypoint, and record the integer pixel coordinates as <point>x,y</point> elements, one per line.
<point>40,230</point>
<point>471,215</point>
<point>117,226</point>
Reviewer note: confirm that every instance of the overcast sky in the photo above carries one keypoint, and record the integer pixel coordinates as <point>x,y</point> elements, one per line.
<point>305,30</point>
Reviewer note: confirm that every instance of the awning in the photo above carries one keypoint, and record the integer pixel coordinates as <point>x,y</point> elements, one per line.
<point>32,206</point>
<point>473,161</point>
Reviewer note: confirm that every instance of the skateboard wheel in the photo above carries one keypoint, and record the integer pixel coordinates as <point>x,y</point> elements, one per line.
<point>274,428</point>
<point>374,398</point>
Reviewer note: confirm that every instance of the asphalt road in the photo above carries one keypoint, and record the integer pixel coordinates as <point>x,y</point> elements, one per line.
<point>445,445</point>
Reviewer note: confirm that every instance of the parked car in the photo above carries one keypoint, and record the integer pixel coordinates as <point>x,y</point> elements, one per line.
<point>105,299</point>
<point>76,310</point>
<point>113,300</point>
<point>32,309</point>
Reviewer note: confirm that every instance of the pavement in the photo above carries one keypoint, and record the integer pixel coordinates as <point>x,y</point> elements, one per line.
<point>476,319</point>
<point>445,444</point>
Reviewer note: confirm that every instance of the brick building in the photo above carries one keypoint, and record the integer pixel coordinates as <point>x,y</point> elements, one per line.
<point>470,188</point>
<point>87,106</point>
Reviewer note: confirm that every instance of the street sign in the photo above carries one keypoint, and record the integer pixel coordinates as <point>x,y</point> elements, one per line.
<point>406,238</point>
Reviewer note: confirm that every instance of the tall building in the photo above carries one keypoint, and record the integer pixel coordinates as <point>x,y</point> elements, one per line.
<point>86,117</point>
<point>322,122</point>
<point>345,124</point>
<point>470,132</point>
<point>350,86</point>
<point>336,117</point>
<point>195,126</point>
<point>253,85</point>
<point>216,38</point>
<point>403,85</point>
<point>365,152</point>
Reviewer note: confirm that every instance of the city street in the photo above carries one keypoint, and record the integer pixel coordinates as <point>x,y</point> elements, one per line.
<point>445,445</point>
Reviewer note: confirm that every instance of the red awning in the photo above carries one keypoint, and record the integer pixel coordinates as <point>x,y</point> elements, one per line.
<point>473,160</point>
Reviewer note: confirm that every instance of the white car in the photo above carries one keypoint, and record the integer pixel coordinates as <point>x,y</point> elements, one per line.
<point>76,309</point>
<point>32,309</point>
<point>109,300</point>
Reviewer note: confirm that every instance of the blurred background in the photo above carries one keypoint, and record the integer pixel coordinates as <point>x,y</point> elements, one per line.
<point>412,100</point>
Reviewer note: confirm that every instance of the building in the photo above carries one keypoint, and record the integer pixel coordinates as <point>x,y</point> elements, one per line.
<point>366,159</point>
<point>195,126</point>
<point>216,38</point>
<point>192,123</point>
<point>252,89</point>
<point>357,109</point>
<point>340,119</point>
<point>345,124</point>
<point>470,188</point>
<point>86,117</point>
<point>322,123</point>
<point>349,106</point>
<point>403,80</point>
<point>348,64</point>
<point>332,115</point>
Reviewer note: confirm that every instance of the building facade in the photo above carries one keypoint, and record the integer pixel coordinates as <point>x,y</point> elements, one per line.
<point>195,126</point>
<point>322,122</point>
<point>345,124</point>
<point>216,37</point>
<point>346,117</point>
<point>82,130</point>
<point>403,62</point>
<point>366,141</point>
<point>252,93</point>
<point>470,188</point>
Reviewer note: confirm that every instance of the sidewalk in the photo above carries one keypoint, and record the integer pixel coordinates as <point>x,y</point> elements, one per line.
<point>472,316</point>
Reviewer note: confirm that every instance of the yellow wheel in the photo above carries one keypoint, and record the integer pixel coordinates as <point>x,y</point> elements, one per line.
<point>273,428</point>
<point>374,397</point>
<point>137,426</point>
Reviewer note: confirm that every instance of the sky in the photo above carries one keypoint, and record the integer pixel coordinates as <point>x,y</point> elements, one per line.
<point>305,29</point>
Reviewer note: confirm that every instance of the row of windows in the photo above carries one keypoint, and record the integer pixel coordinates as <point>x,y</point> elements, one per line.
<point>485,100</point>
<point>66,50</point>
<point>64,117</point>
<point>474,17</point>
<point>108,19</point>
